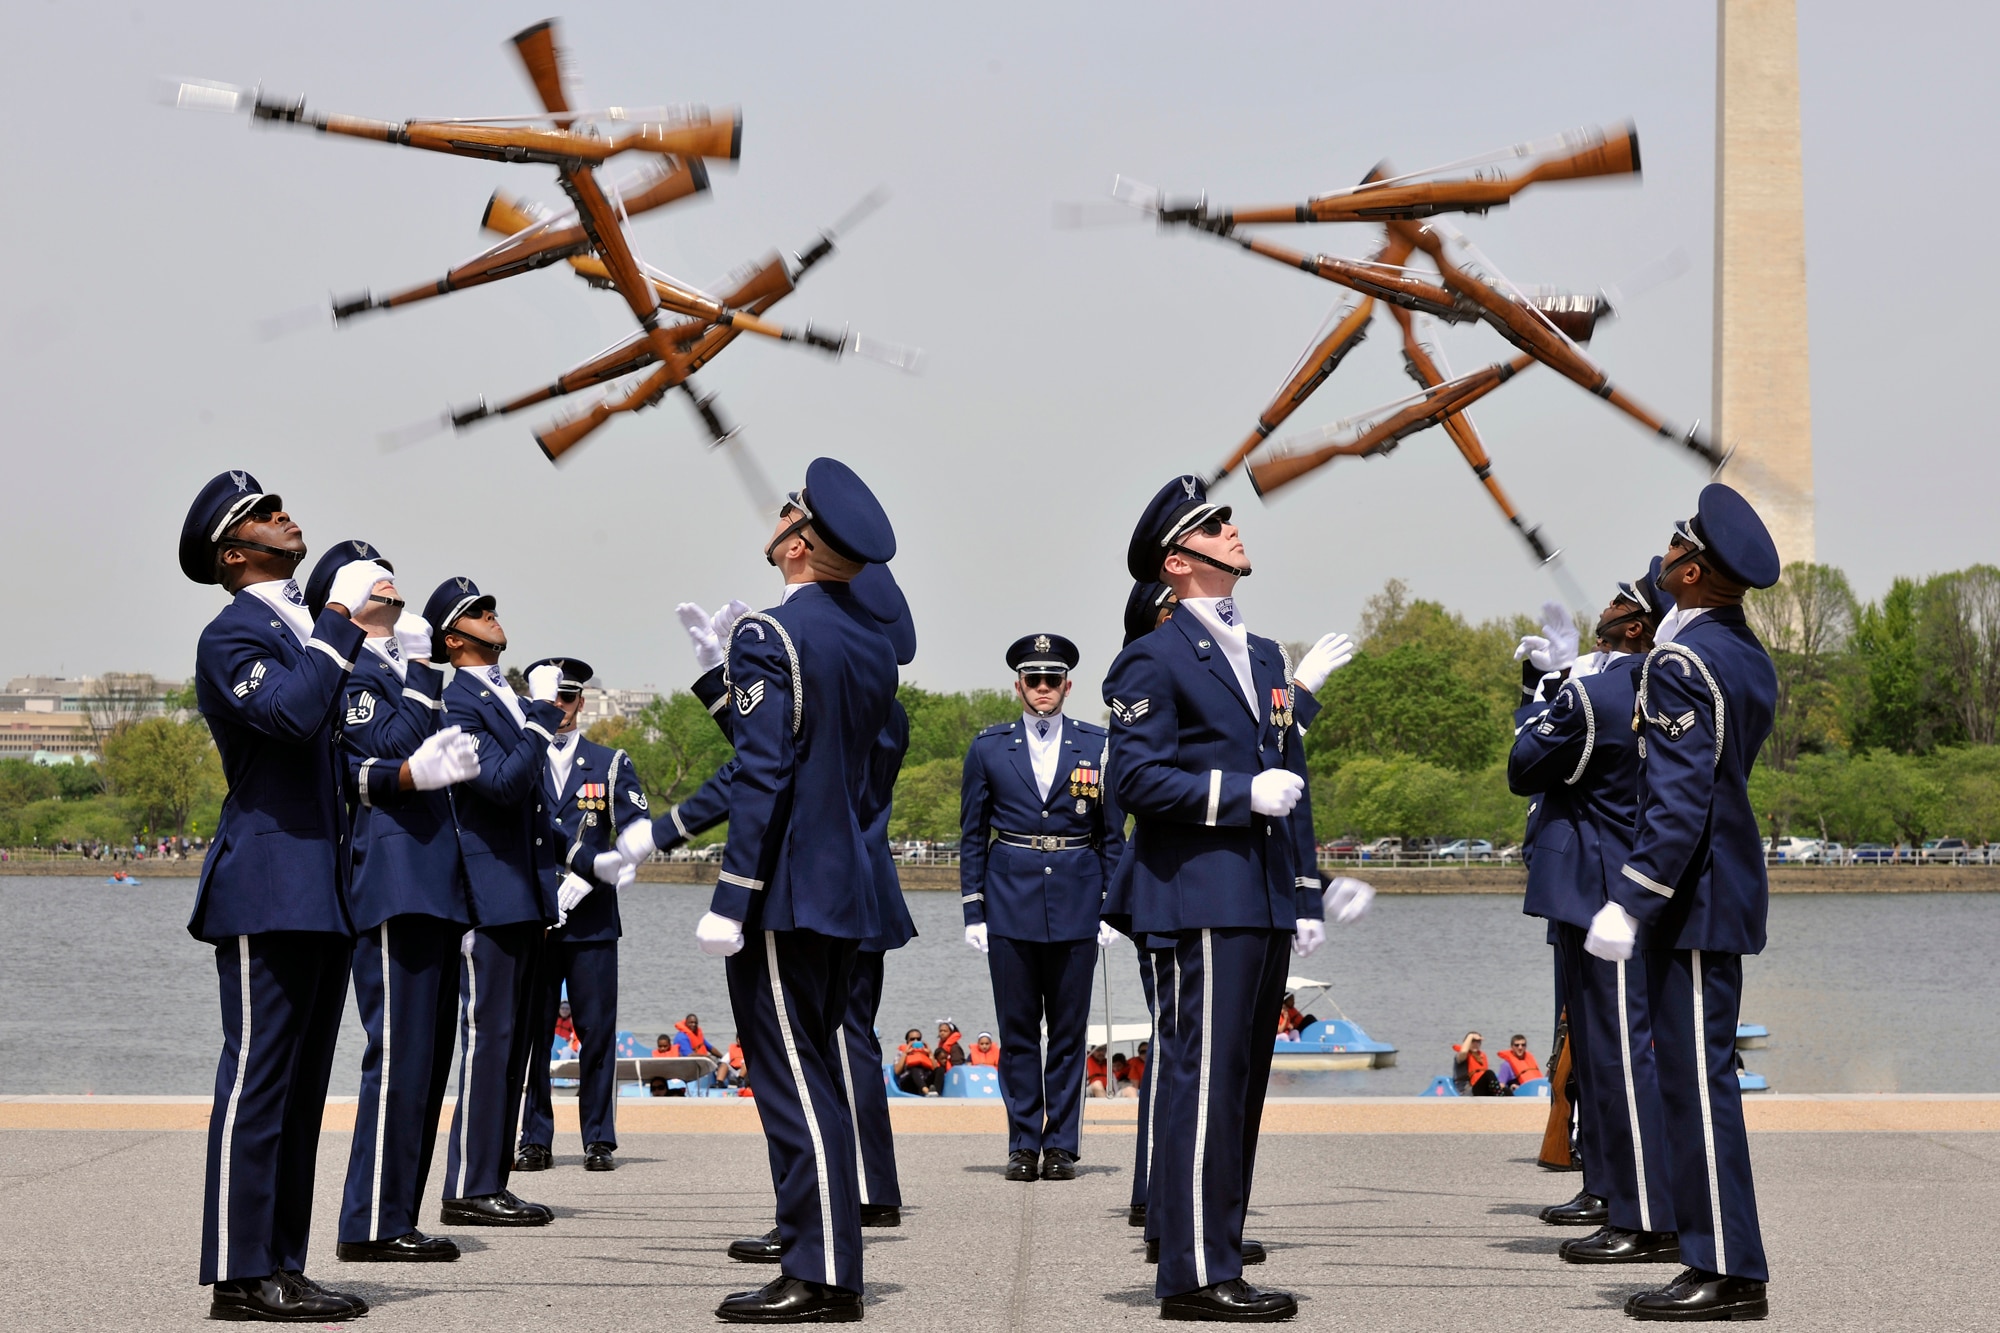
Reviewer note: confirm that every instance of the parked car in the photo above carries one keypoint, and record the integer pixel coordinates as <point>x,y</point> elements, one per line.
<point>1422,846</point>
<point>1509,854</point>
<point>1831,854</point>
<point>1871,852</point>
<point>1795,849</point>
<point>1382,849</point>
<point>1950,850</point>
<point>1342,847</point>
<point>1465,849</point>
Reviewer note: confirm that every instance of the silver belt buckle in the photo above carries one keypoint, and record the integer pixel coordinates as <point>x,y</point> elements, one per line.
<point>1049,842</point>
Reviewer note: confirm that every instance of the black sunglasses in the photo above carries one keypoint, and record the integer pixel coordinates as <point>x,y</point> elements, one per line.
<point>1208,527</point>
<point>1039,680</point>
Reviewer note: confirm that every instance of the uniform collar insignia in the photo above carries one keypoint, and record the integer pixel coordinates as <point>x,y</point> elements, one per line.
<point>292,593</point>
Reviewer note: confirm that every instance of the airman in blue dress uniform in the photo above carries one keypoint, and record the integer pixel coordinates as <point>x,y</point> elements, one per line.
<point>590,788</point>
<point>508,851</point>
<point>1205,753</point>
<point>272,897</point>
<point>1039,836</point>
<point>1577,755</point>
<point>811,682</point>
<point>1693,893</point>
<point>409,904</point>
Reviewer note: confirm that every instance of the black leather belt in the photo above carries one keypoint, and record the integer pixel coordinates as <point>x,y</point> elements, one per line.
<point>1043,842</point>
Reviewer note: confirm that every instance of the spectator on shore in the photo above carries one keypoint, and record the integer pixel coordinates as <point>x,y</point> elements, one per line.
<point>1519,1062</point>
<point>731,1074</point>
<point>985,1051</point>
<point>690,1040</point>
<point>1470,1074</point>
<point>917,1071</point>
<point>950,1044</point>
<point>1096,1073</point>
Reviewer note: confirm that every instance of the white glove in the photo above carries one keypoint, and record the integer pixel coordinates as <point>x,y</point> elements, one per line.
<point>626,876</point>
<point>352,583</point>
<point>1347,899</point>
<point>413,637</point>
<point>725,620</point>
<point>976,936</point>
<point>1275,791</point>
<point>610,865</point>
<point>1554,649</point>
<point>636,843</point>
<point>1613,934</point>
<point>542,682</point>
<point>573,890</point>
<point>445,757</point>
<point>1107,935</point>
<point>701,633</point>
<point>718,936</point>
<point>465,942</point>
<point>1308,937</point>
<point>1330,654</point>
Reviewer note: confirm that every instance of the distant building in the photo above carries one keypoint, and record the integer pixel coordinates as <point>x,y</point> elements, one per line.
<point>601,705</point>
<point>58,719</point>
<point>47,737</point>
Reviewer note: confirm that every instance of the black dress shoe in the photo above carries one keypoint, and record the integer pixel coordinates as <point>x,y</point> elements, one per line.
<point>494,1210</point>
<point>1058,1164</point>
<point>1585,1210</point>
<point>881,1215</point>
<point>762,1249</point>
<point>1234,1301</point>
<point>281,1298</point>
<point>312,1288</point>
<point>791,1300</point>
<point>597,1157</point>
<point>414,1248</point>
<point>1021,1165</point>
<point>1135,1216</point>
<point>1615,1245</point>
<point>548,1213</point>
<point>534,1157</point>
<point>1700,1295</point>
<point>1253,1251</point>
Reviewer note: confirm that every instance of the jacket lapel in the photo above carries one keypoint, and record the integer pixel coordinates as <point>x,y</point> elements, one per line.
<point>1024,767</point>
<point>1212,656</point>
<point>581,770</point>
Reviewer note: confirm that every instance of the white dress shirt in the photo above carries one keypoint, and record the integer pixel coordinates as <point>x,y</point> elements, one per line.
<point>497,678</point>
<point>1674,621</point>
<point>285,599</point>
<point>385,648</point>
<point>562,754</point>
<point>1044,748</point>
<point>1218,615</point>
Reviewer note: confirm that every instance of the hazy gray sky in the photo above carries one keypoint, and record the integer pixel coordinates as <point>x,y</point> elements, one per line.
<point>1070,372</point>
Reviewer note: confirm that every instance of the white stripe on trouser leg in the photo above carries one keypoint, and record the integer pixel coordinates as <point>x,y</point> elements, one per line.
<point>229,1113</point>
<point>465,1071</point>
<point>1707,1120</point>
<point>382,1100</point>
<point>1201,1103</point>
<point>805,1100</point>
<point>1152,1066</point>
<point>853,1116</point>
<point>1632,1103</point>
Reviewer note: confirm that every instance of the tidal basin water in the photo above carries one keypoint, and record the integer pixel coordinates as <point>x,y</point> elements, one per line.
<point>102,990</point>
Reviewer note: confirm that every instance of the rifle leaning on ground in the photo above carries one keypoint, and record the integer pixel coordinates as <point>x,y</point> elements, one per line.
<point>1557,1153</point>
<point>1419,413</point>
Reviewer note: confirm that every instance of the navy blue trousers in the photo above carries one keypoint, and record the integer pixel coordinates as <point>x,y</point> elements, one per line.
<point>1215,1067</point>
<point>867,1096</point>
<point>282,994</point>
<point>1697,998</point>
<point>591,969</point>
<point>499,1000</point>
<point>406,988</point>
<point>788,990</point>
<point>1611,1053</point>
<point>1034,983</point>
<point>1142,1154</point>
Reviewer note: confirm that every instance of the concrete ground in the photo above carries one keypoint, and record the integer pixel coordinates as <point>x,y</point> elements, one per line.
<point>1875,1230</point>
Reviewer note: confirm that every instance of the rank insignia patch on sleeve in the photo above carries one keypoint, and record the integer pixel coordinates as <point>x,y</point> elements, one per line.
<point>639,799</point>
<point>1674,727</point>
<point>361,710</point>
<point>749,696</point>
<point>246,687</point>
<point>1132,712</point>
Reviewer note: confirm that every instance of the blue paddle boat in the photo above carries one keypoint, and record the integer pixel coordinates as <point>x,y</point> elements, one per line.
<point>1328,1044</point>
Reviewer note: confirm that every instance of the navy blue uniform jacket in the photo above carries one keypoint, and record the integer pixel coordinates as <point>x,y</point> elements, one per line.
<point>506,841</point>
<point>1696,877</point>
<point>1184,748</point>
<point>1024,893</point>
<point>405,842</point>
<point>279,861</point>
<point>593,807</point>
<point>1579,756</point>
<point>811,685</point>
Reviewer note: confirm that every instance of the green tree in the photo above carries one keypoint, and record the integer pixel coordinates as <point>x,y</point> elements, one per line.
<point>165,769</point>
<point>23,782</point>
<point>1396,796</point>
<point>77,781</point>
<point>1960,647</point>
<point>942,725</point>
<point>673,743</point>
<point>926,802</point>
<point>1410,700</point>
<point>1805,621</point>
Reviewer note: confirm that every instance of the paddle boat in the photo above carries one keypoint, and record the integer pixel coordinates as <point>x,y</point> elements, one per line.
<point>1328,1044</point>
<point>1752,1036</point>
<point>122,879</point>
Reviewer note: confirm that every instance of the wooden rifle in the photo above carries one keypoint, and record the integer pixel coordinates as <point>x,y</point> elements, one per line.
<point>1421,413</point>
<point>1556,1153</point>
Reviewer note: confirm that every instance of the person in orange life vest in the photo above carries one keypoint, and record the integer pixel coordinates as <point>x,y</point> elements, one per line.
<point>665,1045</point>
<point>732,1074</point>
<point>1096,1072</point>
<point>566,1027</point>
<point>689,1038</point>
<point>1289,1017</point>
<point>917,1070</point>
<point>985,1051</point>
<point>950,1044</point>
<point>1470,1073</point>
<point>1520,1060</point>
<point>1120,1076</point>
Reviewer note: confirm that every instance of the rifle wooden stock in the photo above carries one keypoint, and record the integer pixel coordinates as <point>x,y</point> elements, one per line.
<point>508,143</point>
<point>1555,1151</point>
<point>536,46</point>
<point>1384,282</point>
<point>1616,154</point>
<point>1281,470</point>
